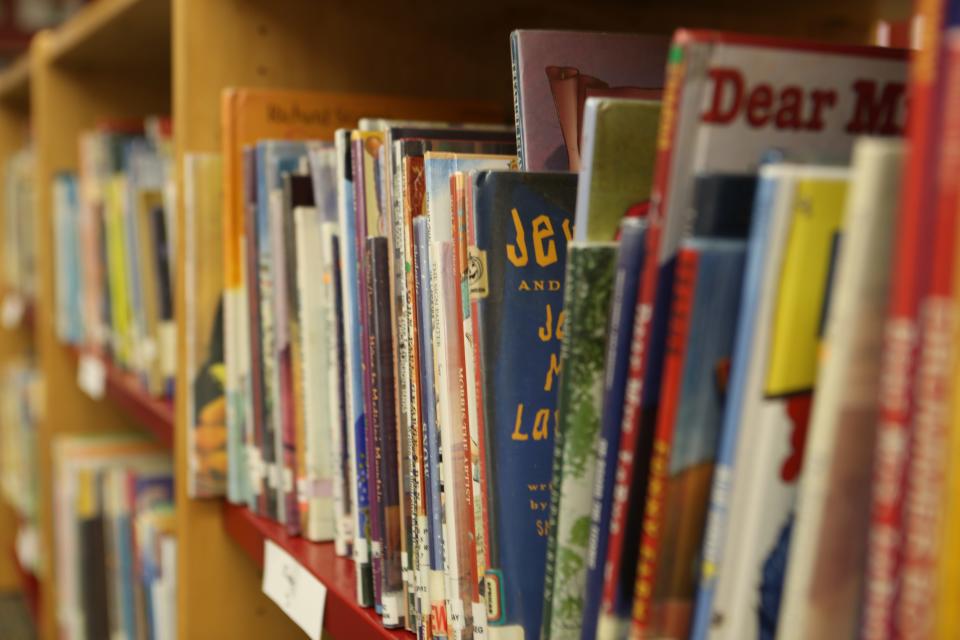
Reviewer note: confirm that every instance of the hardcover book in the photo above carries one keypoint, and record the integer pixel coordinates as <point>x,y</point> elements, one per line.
<point>554,72</point>
<point>821,98</point>
<point>792,246</point>
<point>588,290</point>
<point>616,361</point>
<point>519,306</point>
<point>827,562</point>
<point>703,320</point>
<point>619,150</point>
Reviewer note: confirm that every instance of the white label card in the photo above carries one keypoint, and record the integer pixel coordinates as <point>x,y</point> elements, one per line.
<point>295,590</point>
<point>92,376</point>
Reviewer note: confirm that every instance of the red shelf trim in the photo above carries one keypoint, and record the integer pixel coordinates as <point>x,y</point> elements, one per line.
<point>30,587</point>
<point>343,617</point>
<point>154,414</point>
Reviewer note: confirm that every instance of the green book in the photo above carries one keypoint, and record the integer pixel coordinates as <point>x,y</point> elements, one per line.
<point>588,292</point>
<point>619,154</point>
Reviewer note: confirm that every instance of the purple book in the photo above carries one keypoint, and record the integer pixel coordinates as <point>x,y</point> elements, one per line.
<point>554,72</point>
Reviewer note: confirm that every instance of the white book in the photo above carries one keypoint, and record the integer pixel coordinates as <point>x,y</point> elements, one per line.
<point>827,561</point>
<point>774,369</point>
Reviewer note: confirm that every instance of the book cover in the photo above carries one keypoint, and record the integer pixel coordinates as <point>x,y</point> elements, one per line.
<point>203,328</point>
<point>616,361</point>
<point>518,316</point>
<point>827,562</point>
<point>619,150</point>
<point>703,320</point>
<point>768,406</point>
<point>821,98</point>
<point>353,365</point>
<point>554,72</point>
<point>588,289</point>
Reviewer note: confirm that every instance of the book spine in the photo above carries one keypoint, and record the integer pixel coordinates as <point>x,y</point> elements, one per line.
<point>255,458</point>
<point>902,335</point>
<point>643,378</point>
<point>352,321</point>
<point>517,111</point>
<point>620,333</point>
<point>372,467</point>
<point>927,473</point>
<point>383,423</point>
<point>556,481</point>
<point>655,506</point>
<point>342,496</point>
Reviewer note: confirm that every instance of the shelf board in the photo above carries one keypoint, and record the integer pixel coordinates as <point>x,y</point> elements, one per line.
<point>15,83</point>
<point>343,617</point>
<point>113,35</point>
<point>29,586</point>
<point>125,391</point>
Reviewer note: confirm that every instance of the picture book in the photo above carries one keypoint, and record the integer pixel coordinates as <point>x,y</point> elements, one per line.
<point>554,72</point>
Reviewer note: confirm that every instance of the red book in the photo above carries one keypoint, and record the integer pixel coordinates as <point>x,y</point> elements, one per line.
<point>910,278</point>
<point>927,477</point>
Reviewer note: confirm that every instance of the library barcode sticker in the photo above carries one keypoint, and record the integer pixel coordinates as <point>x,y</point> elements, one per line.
<point>92,376</point>
<point>295,590</point>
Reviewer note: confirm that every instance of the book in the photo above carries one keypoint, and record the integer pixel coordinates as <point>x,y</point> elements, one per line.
<point>518,313</point>
<point>703,319</point>
<point>450,378</point>
<point>382,420</point>
<point>706,127</point>
<point>616,361</point>
<point>251,114</point>
<point>793,243</point>
<point>912,266</point>
<point>203,328</point>
<point>827,561</point>
<point>353,365</point>
<point>619,140</point>
<point>554,72</point>
<point>588,289</point>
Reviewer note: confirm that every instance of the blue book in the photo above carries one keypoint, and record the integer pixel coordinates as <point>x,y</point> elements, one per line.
<point>274,159</point>
<point>522,224</point>
<point>633,233</point>
<point>353,369</point>
<point>726,448</point>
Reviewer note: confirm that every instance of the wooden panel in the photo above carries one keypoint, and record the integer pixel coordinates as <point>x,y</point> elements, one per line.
<point>91,96</point>
<point>15,87</point>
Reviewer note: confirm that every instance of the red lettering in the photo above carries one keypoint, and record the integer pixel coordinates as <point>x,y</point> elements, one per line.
<point>873,115</point>
<point>821,98</point>
<point>758,105</point>
<point>788,114</point>
<point>724,79</point>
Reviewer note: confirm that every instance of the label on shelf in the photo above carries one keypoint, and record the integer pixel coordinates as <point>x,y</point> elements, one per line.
<point>92,376</point>
<point>12,310</point>
<point>295,590</point>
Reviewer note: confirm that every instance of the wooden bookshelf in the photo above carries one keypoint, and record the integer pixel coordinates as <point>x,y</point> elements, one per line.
<point>343,617</point>
<point>132,58</point>
<point>29,587</point>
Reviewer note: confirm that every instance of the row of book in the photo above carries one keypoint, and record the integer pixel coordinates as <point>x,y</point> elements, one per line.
<point>114,240</point>
<point>21,389</point>
<point>19,246</point>
<point>115,544</point>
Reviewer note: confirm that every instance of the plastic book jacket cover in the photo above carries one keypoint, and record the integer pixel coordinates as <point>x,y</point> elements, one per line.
<point>522,225</point>
<point>206,405</point>
<point>554,72</point>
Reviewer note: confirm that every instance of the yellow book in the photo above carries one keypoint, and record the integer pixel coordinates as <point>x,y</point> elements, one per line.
<point>117,269</point>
